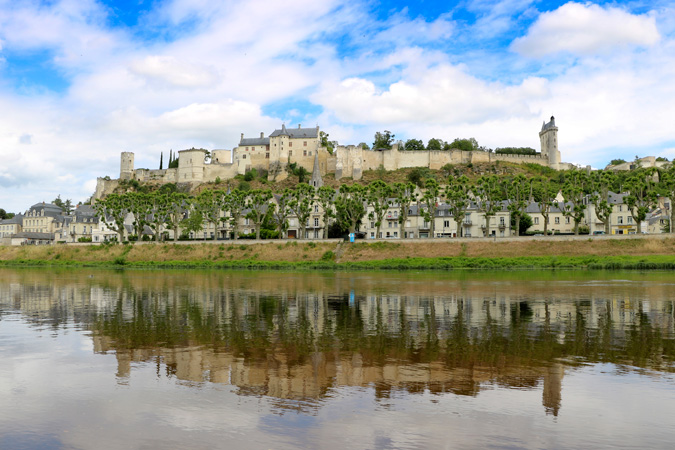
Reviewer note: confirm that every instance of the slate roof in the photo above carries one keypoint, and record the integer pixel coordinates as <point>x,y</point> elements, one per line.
<point>296,133</point>
<point>254,141</point>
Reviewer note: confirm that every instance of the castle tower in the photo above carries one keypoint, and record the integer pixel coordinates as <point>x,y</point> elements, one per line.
<point>549,143</point>
<point>191,165</point>
<point>127,166</point>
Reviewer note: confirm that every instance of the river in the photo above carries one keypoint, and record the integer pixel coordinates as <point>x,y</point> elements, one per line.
<point>193,359</point>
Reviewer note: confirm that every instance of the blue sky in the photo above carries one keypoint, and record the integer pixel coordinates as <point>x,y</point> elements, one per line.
<point>83,80</point>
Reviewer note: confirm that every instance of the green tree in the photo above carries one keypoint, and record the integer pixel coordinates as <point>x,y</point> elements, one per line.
<point>574,190</point>
<point>325,142</point>
<point>413,144</point>
<point>430,198</point>
<point>405,194</point>
<point>524,223</point>
<point>194,222</point>
<point>302,198</point>
<point>5,215</point>
<point>487,192</point>
<point>235,203</point>
<point>350,206</point>
<point>112,210</point>
<point>545,191</point>
<point>383,140</point>
<point>161,160</point>
<point>468,145</point>
<point>435,144</point>
<point>364,146</point>
<point>667,189</point>
<point>457,194</point>
<point>377,197</point>
<point>281,210</point>
<point>518,190</point>
<point>324,197</point>
<point>642,197</point>
<point>258,203</point>
<point>176,207</point>
<point>140,206</point>
<point>210,203</point>
<point>600,184</point>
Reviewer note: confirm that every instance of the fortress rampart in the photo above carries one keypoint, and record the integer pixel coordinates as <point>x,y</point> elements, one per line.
<point>302,146</point>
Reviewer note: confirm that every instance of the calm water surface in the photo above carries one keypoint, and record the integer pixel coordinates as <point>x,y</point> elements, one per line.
<point>93,359</point>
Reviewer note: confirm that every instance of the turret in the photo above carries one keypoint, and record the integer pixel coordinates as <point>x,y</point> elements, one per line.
<point>127,166</point>
<point>548,137</point>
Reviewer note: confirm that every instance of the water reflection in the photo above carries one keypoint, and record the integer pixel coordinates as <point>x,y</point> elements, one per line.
<point>297,337</point>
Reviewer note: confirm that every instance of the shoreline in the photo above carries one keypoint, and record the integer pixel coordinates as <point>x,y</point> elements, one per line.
<point>651,252</point>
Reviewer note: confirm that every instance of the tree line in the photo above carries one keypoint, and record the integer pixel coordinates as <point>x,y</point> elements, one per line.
<point>343,209</point>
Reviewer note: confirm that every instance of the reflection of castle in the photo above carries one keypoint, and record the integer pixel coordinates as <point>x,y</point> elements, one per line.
<point>296,337</point>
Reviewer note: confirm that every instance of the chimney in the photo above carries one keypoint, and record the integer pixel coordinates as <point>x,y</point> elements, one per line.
<point>242,137</point>
<point>262,135</point>
<point>299,126</point>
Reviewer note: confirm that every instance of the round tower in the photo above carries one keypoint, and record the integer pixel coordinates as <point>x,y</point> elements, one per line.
<point>549,143</point>
<point>127,166</point>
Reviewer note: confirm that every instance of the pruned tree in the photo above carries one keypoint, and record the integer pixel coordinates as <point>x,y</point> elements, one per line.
<point>281,210</point>
<point>487,192</point>
<point>325,196</point>
<point>235,204</point>
<point>405,195</point>
<point>113,210</point>
<point>518,190</point>
<point>350,206</point>
<point>600,183</point>
<point>258,203</point>
<point>378,195</point>
<point>302,198</point>
<point>210,203</point>
<point>457,194</point>
<point>177,205</point>
<point>574,190</point>
<point>642,197</point>
<point>430,198</point>
<point>545,192</point>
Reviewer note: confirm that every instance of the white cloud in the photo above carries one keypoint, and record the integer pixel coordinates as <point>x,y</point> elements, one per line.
<point>586,29</point>
<point>177,73</point>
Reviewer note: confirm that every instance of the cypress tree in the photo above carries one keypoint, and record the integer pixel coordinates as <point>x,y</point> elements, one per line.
<point>161,160</point>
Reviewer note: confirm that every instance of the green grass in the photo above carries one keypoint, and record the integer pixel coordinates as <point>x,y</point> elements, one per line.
<point>656,262</point>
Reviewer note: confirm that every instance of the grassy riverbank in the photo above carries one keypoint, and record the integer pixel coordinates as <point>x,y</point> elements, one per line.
<point>636,253</point>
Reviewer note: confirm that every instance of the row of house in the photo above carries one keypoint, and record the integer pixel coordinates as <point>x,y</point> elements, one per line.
<point>46,223</point>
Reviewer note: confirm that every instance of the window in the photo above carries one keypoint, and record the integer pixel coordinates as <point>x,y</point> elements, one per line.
<point>304,143</point>
<point>501,221</point>
<point>247,222</point>
<point>316,221</point>
<point>619,208</point>
<point>446,223</point>
<point>316,208</point>
<point>243,156</point>
<point>567,220</point>
<point>620,219</point>
<point>395,234</point>
<point>267,155</point>
<point>557,220</point>
<point>372,224</point>
<point>290,153</point>
<point>290,144</point>
<point>629,219</point>
<point>536,220</point>
<point>395,214</point>
<point>246,148</point>
<point>304,153</point>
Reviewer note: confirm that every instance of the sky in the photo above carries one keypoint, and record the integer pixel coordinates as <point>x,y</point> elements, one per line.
<point>83,80</point>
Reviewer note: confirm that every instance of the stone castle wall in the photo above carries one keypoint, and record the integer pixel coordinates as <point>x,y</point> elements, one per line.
<point>345,162</point>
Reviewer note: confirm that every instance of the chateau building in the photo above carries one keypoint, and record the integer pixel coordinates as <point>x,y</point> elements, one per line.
<point>302,147</point>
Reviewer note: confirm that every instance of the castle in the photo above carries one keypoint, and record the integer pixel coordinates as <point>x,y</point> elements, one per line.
<point>302,146</point>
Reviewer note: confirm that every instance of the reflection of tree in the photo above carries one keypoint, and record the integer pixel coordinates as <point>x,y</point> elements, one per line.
<point>296,336</point>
